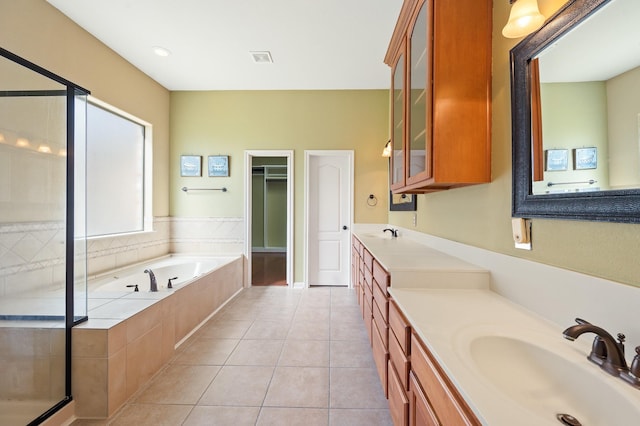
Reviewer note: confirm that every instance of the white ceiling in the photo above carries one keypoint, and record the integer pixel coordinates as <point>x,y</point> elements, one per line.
<point>602,47</point>
<point>315,44</point>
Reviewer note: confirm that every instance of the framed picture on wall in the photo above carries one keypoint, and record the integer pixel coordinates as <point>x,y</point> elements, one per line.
<point>191,165</point>
<point>585,158</point>
<point>218,165</point>
<point>557,159</point>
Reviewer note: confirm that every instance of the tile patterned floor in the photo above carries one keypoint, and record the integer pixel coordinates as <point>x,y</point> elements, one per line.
<point>273,356</point>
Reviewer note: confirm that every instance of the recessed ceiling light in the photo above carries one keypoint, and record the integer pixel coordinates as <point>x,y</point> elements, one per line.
<point>261,57</point>
<point>161,51</point>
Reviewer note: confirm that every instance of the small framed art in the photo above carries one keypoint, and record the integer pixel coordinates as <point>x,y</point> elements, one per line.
<point>557,159</point>
<point>191,165</point>
<point>585,158</point>
<point>218,165</point>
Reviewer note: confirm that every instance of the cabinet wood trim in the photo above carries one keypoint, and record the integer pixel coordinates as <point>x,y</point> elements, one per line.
<point>443,396</point>
<point>420,410</point>
<point>400,327</point>
<point>398,400</point>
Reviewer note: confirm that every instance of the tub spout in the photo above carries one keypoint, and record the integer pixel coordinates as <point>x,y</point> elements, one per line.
<point>153,284</point>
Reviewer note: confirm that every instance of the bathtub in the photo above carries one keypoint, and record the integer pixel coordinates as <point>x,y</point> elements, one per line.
<point>130,336</point>
<point>184,269</point>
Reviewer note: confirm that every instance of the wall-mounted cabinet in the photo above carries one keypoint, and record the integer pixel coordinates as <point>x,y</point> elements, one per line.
<point>440,59</point>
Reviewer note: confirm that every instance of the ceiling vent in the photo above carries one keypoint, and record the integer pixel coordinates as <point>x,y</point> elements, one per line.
<point>262,57</point>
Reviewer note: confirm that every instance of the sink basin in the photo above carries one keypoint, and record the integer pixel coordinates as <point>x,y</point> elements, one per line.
<point>548,379</point>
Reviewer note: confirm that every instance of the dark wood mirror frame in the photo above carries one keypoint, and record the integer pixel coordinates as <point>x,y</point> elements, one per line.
<point>610,206</point>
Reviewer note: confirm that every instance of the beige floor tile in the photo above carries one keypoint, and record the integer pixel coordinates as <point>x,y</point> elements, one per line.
<point>268,330</point>
<point>299,387</point>
<point>204,415</point>
<point>346,314</point>
<point>356,388</point>
<point>343,297</point>
<point>348,331</point>
<point>309,330</point>
<point>256,352</point>
<point>310,313</point>
<point>179,384</point>
<point>305,353</point>
<point>225,329</point>
<point>271,416</point>
<point>238,386</point>
<point>351,353</point>
<point>206,351</point>
<point>151,415</point>
<point>357,417</point>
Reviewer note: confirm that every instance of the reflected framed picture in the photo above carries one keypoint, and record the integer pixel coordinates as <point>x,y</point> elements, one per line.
<point>191,165</point>
<point>218,165</point>
<point>585,158</point>
<point>557,160</point>
<point>402,202</point>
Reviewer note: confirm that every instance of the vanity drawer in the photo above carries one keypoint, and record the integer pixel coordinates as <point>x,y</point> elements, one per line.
<point>368,296</point>
<point>399,360</point>
<point>368,279</point>
<point>380,357</point>
<point>382,301</point>
<point>368,260</point>
<point>398,401</point>
<point>443,397</point>
<point>383,328</point>
<point>381,276</point>
<point>400,327</point>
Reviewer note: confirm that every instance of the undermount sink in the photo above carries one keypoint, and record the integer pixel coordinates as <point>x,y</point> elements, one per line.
<point>547,380</point>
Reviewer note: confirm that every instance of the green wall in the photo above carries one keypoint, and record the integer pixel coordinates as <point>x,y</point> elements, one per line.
<point>230,122</point>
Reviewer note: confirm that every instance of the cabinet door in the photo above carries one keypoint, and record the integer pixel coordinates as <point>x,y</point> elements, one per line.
<point>420,411</point>
<point>398,122</point>
<point>419,96</point>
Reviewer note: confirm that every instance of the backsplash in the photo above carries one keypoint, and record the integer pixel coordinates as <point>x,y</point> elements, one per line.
<point>32,254</point>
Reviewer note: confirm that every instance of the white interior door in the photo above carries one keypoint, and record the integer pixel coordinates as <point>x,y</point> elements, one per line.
<point>329,207</point>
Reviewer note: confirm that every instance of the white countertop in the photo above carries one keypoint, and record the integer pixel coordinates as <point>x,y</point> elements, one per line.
<point>449,304</point>
<point>450,320</point>
<point>412,264</point>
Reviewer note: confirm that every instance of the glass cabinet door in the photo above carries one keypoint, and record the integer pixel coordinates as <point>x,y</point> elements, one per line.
<point>397,121</point>
<point>419,138</point>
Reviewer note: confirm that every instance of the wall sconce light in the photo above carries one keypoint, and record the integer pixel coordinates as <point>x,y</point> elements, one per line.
<point>386,152</point>
<point>525,18</point>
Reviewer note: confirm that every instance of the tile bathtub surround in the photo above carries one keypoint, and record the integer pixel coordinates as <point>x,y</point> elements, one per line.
<point>234,371</point>
<point>223,235</point>
<point>126,341</point>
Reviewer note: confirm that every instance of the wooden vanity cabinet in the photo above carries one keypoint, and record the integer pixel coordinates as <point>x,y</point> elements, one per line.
<point>440,59</point>
<point>431,393</point>
<point>381,281</point>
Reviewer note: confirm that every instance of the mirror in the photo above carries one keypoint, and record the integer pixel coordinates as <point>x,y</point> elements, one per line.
<point>575,86</point>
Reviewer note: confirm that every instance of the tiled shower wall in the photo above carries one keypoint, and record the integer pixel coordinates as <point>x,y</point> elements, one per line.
<point>32,254</point>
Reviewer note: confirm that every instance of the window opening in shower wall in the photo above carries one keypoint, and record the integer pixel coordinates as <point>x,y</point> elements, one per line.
<point>118,171</point>
<point>42,237</point>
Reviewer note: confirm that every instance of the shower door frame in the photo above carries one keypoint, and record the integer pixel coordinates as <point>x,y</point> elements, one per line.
<point>72,91</point>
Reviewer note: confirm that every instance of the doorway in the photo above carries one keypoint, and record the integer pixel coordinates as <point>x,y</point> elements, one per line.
<point>329,216</point>
<point>269,217</point>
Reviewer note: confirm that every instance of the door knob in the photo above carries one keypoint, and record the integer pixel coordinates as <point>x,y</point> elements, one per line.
<point>344,227</point>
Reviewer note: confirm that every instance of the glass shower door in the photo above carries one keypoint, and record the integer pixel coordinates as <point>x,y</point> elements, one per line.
<point>42,248</point>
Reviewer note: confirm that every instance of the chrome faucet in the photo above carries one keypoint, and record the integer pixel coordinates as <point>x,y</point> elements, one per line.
<point>153,285</point>
<point>611,357</point>
<point>394,232</point>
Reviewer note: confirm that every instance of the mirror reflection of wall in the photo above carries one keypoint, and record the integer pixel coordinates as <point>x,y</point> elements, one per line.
<point>590,98</point>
